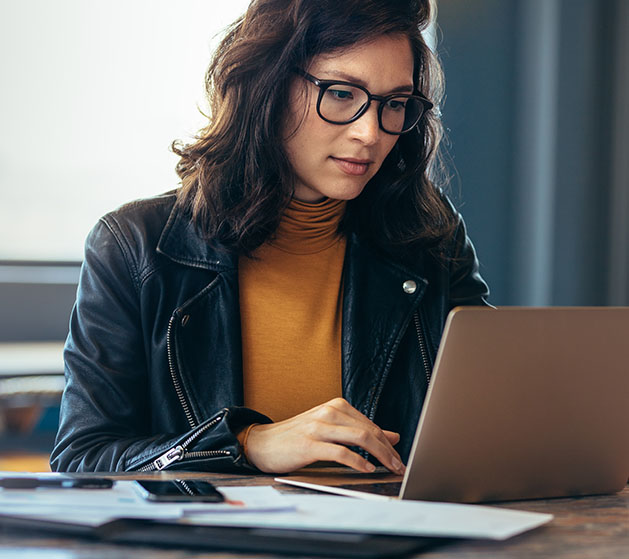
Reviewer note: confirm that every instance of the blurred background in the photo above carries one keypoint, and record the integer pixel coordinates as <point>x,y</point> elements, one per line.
<point>93,93</point>
<point>538,114</point>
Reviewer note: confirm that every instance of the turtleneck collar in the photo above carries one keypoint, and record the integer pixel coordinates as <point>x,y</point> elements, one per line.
<point>309,228</point>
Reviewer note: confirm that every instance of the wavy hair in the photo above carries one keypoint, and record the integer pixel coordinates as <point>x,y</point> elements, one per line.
<point>236,177</point>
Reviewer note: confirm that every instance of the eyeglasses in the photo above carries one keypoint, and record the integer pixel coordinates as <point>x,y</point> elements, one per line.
<point>342,102</point>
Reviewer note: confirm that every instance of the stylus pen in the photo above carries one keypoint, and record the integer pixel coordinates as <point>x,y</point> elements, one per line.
<point>59,483</point>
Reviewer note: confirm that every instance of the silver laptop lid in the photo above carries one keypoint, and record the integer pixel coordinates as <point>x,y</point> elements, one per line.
<point>525,403</point>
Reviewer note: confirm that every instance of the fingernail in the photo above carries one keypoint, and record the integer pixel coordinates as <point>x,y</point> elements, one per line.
<point>370,467</point>
<point>397,465</point>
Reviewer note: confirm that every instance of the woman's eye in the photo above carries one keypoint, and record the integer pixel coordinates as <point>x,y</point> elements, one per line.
<point>340,94</point>
<point>396,104</point>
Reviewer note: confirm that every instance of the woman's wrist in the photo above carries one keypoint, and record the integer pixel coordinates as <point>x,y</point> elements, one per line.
<point>243,437</point>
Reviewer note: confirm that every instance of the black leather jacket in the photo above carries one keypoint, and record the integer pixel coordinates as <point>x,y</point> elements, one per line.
<point>153,358</point>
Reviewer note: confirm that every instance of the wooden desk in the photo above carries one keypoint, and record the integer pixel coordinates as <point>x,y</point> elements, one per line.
<point>583,528</point>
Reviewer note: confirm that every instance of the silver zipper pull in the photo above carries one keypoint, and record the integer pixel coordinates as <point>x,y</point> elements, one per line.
<point>169,457</point>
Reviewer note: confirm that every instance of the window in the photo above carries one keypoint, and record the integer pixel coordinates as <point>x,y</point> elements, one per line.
<point>93,93</point>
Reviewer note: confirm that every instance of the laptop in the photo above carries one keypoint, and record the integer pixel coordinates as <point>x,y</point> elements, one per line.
<point>524,403</point>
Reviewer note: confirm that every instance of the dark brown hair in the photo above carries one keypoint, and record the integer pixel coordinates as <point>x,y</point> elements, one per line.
<point>236,177</point>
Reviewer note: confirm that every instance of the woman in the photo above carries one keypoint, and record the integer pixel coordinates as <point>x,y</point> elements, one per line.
<point>284,305</point>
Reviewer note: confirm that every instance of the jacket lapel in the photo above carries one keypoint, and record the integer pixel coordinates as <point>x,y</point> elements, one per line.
<point>205,337</point>
<point>207,344</point>
<point>377,309</point>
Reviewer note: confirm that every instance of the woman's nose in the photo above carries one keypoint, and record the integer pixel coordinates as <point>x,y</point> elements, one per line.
<point>367,127</point>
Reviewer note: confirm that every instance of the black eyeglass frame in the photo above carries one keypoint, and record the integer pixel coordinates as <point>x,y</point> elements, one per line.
<point>323,86</point>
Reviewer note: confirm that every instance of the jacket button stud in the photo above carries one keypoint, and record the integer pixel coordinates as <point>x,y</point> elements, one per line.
<point>409,286</point>
<point>185,319</point>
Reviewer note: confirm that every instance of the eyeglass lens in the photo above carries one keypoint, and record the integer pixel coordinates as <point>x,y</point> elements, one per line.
<point>340,103</point>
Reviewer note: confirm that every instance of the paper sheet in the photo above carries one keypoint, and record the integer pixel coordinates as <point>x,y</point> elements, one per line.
<point>91,507</point>
<point>408,518</point>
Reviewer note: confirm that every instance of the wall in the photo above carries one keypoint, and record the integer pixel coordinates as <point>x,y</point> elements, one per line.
<point>537,125</point>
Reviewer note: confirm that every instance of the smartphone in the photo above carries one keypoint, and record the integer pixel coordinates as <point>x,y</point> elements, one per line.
<point>179,491</point>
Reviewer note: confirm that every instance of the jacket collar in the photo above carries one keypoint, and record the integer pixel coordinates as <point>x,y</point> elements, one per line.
<point>180,241</point>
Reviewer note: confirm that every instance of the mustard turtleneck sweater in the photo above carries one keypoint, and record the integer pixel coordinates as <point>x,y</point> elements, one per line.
<point>290,312</point>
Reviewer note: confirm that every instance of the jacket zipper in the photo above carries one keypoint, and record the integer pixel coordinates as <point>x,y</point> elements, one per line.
<point>425,360</point>
<point>175,376</point>
<point>422,346</point>
<point>179,452</point>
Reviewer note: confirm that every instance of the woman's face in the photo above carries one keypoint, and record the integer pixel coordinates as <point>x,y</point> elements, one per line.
<point>336,161</point>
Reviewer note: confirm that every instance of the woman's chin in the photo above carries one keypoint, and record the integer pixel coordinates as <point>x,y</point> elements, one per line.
<point>336,192</point>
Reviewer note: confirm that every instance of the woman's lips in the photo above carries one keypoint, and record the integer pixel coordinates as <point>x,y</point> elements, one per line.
<point>355,167</point>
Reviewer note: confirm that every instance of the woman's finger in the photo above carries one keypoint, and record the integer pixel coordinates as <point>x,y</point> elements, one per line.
<point>392,436</point>
<point>340,412</point>
<point>343,455</point>
<point>365,439</point>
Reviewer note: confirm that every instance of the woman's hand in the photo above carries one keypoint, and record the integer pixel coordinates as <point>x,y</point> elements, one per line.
<point>322,433</point>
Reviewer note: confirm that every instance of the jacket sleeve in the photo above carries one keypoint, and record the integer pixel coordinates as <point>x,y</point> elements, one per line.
<point>466,287</point>
<point>105,408</point>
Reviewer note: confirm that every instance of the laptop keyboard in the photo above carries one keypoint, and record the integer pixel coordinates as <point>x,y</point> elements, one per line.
<point>390,489</point>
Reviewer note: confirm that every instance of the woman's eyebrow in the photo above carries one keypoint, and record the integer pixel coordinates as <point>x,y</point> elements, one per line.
<point>406,88</point>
